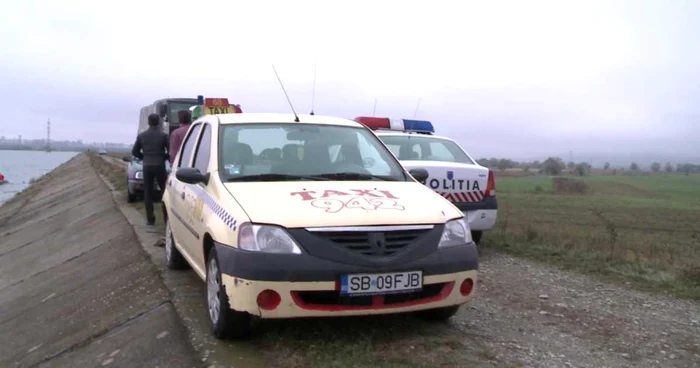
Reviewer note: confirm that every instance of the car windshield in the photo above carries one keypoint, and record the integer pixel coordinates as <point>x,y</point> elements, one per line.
<point>425,148</point>
<point>292,151</point>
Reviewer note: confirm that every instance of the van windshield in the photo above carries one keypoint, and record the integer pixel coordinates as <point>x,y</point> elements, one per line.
<point>293,151</point>
<point>174,107</point>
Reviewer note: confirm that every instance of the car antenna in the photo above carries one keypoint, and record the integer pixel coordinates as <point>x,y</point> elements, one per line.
<point>296,118</point>
<point>313,93</point>
<point>375,106</point>
<point>417,106</point>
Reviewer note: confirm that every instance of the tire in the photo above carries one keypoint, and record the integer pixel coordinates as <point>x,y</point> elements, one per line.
<point>173,258</point>
<point>224,321</point>
<point>130,197</point>
<point>476,236</point>
<point>439,314</point>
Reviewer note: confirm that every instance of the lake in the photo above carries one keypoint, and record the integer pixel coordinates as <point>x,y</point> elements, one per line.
<point>20,167</point>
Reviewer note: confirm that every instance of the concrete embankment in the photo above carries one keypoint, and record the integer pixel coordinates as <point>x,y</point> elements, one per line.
<point>76,288</point>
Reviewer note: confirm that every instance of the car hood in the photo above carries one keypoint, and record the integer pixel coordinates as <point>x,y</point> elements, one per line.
<point>341,203</point>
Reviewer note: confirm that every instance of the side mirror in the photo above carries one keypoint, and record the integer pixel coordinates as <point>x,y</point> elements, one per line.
<point>163,110</point>
<point>420,175</point>
<point>126,159</point>
<point>191,175</point>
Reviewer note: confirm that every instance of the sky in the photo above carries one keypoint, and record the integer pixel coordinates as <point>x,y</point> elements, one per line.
<point>519,79</point>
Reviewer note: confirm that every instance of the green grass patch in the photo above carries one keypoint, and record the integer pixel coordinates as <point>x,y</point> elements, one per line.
<point>642,229</point>
<point>379,341</point>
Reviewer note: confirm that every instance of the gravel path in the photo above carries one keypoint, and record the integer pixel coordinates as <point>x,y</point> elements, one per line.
<point>533,315</point>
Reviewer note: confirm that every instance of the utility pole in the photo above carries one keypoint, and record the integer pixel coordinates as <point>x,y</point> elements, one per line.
<point>48,136</point>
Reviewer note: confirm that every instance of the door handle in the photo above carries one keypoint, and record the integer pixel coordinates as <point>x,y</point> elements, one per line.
<point>182,195</point>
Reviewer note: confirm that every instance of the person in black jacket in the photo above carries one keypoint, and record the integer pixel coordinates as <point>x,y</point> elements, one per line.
<point>152,146</point>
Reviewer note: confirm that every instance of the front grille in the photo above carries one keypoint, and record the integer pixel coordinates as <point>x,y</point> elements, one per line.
<point>373,243</point>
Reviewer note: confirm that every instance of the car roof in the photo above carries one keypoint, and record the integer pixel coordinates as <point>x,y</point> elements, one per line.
<point>275,118</point>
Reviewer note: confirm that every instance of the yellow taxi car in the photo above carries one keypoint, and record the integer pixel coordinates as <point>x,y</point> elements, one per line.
<point>310,216</point>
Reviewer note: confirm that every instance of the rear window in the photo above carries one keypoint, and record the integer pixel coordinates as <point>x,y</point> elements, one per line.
<point>425,148</point>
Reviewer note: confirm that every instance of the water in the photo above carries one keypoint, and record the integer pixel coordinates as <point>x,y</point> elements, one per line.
<point>19,167</point>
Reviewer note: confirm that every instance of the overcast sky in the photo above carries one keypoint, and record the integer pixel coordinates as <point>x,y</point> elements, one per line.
<point>505,78</point>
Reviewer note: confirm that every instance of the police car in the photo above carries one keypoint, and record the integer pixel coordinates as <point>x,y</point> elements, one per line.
<point>453,173</point>
<point>310,216</point>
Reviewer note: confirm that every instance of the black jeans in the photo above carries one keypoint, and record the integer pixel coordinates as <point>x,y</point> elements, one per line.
<point>153,174</point>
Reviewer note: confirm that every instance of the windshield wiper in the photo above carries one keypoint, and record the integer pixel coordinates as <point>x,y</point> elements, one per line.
<point>273,177</point>
<point>354,176</point>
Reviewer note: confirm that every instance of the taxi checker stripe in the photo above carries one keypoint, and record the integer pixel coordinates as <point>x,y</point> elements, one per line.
<point>215,207</point>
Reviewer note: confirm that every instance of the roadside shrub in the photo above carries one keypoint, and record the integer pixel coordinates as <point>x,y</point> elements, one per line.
<point>538,189</point>
<point>553,166</point>
<point>569,186</point>
<point>530,233</point>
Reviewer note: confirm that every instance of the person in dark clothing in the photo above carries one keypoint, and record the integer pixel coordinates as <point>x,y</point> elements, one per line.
<point>152,146</point>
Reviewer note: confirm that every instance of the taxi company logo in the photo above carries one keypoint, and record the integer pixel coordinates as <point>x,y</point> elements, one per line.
<point>333,201</point>
<point>378,243</point>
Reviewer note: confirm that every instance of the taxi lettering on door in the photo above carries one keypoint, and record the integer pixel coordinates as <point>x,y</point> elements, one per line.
<point>213,106</point>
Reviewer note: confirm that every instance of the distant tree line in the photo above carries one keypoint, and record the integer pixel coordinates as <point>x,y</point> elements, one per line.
<point>555,166</point>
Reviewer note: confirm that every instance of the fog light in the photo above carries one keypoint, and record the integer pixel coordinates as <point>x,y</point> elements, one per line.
<point>466,287</point>
<point>269,299</point>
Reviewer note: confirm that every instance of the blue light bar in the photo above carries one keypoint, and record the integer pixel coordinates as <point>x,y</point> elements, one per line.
<point>421,126</point>
<point>200,100</point>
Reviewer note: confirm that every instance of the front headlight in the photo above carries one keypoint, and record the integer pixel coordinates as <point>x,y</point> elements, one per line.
<point>456,232</point>
<point>138,175</point>
<point>266,238</point>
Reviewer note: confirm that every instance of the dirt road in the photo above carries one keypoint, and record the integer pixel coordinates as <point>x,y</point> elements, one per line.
<point>525,314</point>
<point>532,315</point>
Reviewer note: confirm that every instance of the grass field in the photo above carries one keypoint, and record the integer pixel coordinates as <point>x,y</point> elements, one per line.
<point>641,228</point>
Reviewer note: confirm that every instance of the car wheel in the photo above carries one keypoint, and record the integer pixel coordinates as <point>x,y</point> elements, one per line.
<point>173,258</point>
<point>476,236</point>
<point>439,314</point>
<point>224,321</point>
<point>130,197</point>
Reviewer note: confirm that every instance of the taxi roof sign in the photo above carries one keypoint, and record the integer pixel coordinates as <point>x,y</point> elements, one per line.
<point>215,102</point>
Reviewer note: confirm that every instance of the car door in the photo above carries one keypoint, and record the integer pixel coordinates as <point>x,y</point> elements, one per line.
<point>202,156</point>
<point>180,197</point>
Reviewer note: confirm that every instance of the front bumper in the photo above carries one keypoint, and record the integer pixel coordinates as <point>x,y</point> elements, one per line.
<point>309,286</point>
<point>481,220</point>
<point>136,186</point>
<point>482,215</point>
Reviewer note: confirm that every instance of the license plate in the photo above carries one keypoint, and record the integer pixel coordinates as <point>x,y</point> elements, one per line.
<point>381,283</point>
